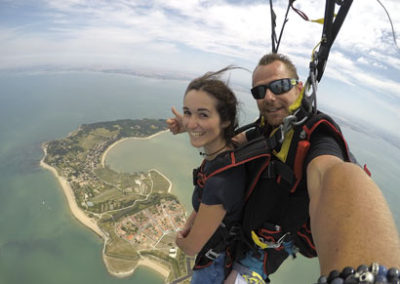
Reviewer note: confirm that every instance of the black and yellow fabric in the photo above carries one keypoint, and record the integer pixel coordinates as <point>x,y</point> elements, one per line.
<point>278,205</point>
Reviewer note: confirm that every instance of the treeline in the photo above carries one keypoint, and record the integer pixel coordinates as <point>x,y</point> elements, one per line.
<point>129,127</point>
<point>62,147</point>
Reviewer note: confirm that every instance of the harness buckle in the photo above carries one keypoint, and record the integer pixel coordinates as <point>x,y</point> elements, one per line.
<point>211,254</point>
<point>263,244</point>
<point>201,179</point>
<point>235,231</point>
<point>286,125</point>
<point>282,239</point>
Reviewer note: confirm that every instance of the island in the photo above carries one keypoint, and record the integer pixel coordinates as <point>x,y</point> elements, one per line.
<point>134,213</point>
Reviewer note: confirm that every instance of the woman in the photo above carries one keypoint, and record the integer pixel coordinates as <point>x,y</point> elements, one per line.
<point>210,117</point>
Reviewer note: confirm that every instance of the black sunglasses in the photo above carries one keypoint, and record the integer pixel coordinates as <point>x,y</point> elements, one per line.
<point>278,87</point>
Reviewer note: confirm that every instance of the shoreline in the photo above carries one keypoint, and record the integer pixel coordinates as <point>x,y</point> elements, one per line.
<point>164,176</point>
<point>78,213</point>
<point>146,262</point>
<point>85,220</point>
<point>103,156</point>
<point>152,264</point>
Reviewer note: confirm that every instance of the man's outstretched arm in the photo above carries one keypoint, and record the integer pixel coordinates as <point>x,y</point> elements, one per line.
<point>351,222</point>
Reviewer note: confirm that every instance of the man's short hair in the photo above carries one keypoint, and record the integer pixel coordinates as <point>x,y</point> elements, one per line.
<point>272,57</point>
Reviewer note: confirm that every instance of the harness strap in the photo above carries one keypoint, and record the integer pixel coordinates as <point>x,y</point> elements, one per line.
<point>330,30</point>
<point>256,149</point>
<point>279,170</point>
<point>224,237</point>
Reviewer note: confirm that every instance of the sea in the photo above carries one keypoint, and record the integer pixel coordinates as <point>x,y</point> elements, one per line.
<point>40,241</point>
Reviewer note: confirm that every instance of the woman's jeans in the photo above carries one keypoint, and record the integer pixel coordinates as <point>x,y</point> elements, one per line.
<point>213,274</point>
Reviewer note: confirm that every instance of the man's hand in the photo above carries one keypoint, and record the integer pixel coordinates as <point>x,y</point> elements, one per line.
<point>175,124</point>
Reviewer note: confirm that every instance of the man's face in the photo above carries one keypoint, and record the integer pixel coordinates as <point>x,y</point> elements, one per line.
<point>273,107</point>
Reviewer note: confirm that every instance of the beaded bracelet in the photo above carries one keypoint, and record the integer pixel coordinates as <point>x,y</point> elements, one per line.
<point>375,274</point>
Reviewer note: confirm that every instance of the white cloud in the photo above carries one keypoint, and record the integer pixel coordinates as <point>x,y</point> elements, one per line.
<point>197,35</point>
<point>171,32</point>
<point>217,27</point>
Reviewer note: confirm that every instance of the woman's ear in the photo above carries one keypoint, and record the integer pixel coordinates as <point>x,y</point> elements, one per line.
<point>225,124</point>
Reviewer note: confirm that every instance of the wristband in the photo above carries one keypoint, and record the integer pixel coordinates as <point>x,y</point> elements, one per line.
<point>374,274</point>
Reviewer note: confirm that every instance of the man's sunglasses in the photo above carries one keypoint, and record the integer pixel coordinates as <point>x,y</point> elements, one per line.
<point>278,87</point>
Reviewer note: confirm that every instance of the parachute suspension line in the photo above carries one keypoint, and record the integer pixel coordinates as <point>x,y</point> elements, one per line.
<point>330,30</point>
<point>391,24</point>
<point>311,86</point>
<point>300,13</point>
<point>319,58</point>
<point>276,42</point>
<point>332,23</point>
<point>305,17</point>
<point>314,51</point>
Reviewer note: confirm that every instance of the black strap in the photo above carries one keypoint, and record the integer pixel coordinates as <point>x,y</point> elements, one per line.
<point>254,149</point>
<point>220,240</point>
<point>275,42</point>
<point>330,31</point>
<point>275,168</point>
<point>247,127</point>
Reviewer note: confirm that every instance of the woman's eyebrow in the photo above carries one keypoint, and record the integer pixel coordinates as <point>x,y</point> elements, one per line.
<point>203,109</point>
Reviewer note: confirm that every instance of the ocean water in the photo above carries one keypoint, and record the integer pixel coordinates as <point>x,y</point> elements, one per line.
<point>40,242</point>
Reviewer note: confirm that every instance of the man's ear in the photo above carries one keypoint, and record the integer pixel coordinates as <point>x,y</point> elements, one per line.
<point>300,85</point>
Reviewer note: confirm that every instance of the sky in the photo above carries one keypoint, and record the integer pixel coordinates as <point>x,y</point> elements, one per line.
<point>361,80</point>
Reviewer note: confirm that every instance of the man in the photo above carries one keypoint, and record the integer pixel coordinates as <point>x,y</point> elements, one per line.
<point>350,221</point>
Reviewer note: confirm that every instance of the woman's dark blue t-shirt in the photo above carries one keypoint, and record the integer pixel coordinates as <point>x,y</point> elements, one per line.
<point>226,188</point>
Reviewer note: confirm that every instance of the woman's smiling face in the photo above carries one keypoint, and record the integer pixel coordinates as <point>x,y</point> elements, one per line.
<point>202,121</point>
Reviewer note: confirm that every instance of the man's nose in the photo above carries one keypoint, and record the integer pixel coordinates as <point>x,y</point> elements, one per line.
<point>269,96</point>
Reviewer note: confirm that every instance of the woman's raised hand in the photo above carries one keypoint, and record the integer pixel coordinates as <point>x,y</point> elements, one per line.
<point>175,123</point>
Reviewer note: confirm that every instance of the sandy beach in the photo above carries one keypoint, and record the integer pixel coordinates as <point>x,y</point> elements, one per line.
<point>103,157</point>
<point>152,264</point>
<point>164,176</point>
<point>161,269</point>
<point>69,194</point>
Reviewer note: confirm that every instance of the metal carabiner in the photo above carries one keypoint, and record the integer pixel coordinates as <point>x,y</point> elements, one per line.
<point>278,243</point>
<point>286,125</point>
<point>282,239</point>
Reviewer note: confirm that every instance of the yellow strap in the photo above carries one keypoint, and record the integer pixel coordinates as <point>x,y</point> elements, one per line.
<point>254,278</point>
<point>319,21</point>
<point>283,153</point>
<point>297,102</point>
<point>257,241</point>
